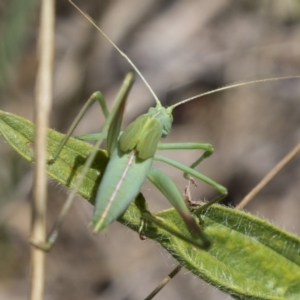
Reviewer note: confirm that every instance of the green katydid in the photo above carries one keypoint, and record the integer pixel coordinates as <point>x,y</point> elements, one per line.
<point>131,158</point>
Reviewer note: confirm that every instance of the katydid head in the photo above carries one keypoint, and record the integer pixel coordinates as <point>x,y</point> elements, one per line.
<point>164,117</point>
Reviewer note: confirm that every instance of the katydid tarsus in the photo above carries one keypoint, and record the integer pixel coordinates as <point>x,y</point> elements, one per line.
<point>135,151</point>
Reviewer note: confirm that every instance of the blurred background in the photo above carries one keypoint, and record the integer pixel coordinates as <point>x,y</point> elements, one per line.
<point>183,48</point>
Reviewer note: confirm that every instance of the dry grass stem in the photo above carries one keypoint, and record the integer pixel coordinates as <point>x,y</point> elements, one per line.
<point>42,111</point>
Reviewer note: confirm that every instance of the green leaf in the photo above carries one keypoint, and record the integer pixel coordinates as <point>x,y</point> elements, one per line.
<point>249,258</point>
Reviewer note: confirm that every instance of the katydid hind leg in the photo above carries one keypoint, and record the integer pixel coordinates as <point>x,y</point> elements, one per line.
<point>147,217</point>
<point>171,192</point>
<point>120,99</point>
<point>97,96</point>
<point>188,170</point>
<point>118,112</point>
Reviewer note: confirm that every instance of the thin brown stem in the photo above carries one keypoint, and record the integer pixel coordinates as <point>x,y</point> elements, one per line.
<point>269,177</point>
<point>42,111</point>
<point>164,282</point>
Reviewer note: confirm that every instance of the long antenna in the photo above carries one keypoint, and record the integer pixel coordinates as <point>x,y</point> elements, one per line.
<point>119,50</point>
<point>227,87</point>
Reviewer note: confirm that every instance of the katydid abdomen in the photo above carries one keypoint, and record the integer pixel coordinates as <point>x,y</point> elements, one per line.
<point>121,183</point>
